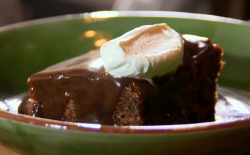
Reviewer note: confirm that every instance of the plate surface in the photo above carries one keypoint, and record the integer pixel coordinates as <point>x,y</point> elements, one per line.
<point>30,47</point>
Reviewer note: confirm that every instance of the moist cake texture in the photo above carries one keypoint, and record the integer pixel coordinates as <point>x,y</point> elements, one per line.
<point>71,91</point>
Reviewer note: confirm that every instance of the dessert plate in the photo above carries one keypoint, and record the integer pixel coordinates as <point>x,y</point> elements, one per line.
<point>232,116</point>
<point>31,46</point>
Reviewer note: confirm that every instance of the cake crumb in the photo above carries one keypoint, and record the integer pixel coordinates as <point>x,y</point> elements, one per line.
<point>70,114</point>
<point>129,109</point>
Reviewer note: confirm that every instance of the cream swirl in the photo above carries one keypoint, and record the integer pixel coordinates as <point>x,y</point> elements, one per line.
<point>145,52</point>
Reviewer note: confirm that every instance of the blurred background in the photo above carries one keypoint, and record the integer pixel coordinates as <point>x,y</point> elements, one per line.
<point>13,11</point>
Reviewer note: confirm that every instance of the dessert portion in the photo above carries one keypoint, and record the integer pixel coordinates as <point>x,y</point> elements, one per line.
<point>149,76</point>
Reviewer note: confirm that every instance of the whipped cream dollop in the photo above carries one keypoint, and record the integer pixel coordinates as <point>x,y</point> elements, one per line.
<point>144,52</point>
<point>193,38</point>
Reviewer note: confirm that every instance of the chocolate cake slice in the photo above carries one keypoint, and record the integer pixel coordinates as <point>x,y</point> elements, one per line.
<point>80,90</point>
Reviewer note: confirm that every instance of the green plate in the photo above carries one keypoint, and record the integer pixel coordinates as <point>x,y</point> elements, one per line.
<point>29,47</point>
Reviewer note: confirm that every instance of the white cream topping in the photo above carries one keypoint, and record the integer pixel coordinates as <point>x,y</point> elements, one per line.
<point>144,52</point>
<point>194,38</point>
